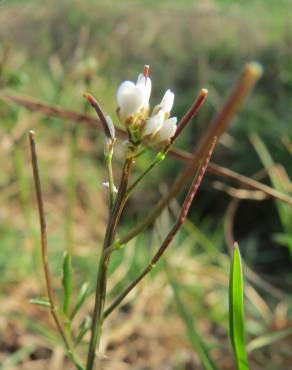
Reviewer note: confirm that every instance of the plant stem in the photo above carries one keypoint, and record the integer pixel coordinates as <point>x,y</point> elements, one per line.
<point>44,245</point>
<point>108,160</point>
<point>250,75</point>
<point>158,158</point>
<point>44,238</point>
<point>181,219</point>
<point>97,317</point>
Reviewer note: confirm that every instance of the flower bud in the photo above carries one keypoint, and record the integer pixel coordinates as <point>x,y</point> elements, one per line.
<point>153,124</point>
<point>133,98</point>
<point>166,103</point>
<point>130,98</point>
<point>166,132</point>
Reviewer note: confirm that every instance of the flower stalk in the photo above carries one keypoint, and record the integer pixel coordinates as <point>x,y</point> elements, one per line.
<point>174,230</point>
<point>100,294</point>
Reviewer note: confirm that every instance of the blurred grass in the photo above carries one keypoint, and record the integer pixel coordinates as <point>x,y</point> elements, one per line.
<point>52,51</point>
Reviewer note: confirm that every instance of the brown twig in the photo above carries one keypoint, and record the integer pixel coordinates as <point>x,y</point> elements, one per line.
<point>92,122</point>
<point>93,102</point>
<point>180,220</point>
<point>44,238</point>
<point>190,114</point>
<point>250,75</point>
<point>55,111</point>
<point>44,246</point>
<point>235,176</point>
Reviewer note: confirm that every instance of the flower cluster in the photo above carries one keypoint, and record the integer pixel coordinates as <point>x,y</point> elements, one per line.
<point>133,110</point>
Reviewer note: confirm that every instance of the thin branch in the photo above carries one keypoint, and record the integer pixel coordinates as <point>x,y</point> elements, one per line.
<point>58,112</point>
<point>93,102</point>
<point>44,238</point>
<point>190,114</point>
<point>181,219</point>
<point>44,246</point>
<point>235,176</point>
<point>250,75</point>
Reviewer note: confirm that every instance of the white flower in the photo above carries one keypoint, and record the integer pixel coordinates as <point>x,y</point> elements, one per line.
<point>153,124</point>
<point>166,132</point>
<point>146,85</point>
<point>166,103</point>
<point>132,98</point>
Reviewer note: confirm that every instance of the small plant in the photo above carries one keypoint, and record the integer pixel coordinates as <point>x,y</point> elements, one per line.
<point>146,130</point>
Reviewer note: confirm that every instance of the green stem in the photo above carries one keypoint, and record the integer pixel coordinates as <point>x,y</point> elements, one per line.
<point>159,157</point>
<point>119,204</point>
<point>108,159</point>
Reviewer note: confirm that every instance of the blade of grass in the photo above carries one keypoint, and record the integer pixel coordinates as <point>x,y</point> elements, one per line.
<point>236,311</point>
<point>268,339</point>
<point>67,282</point>
<point>83,294</point>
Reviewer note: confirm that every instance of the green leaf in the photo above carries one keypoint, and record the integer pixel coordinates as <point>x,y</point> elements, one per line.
<point>195,338</point>
<point>67,281</point>
<point>80,299</point>
<point>84,327</point>
<point>236,311</point>
<point>41,301</point>
<point>267,339</point>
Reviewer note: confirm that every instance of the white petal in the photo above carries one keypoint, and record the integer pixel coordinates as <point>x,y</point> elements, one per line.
<point>154,123</point>
<point>167,101</point>
<point>146,87</point>
<point>167,130</point>
<point>130,98</point>
<point>140,79</point>
<point>106,184</point>
<point>110,126</point>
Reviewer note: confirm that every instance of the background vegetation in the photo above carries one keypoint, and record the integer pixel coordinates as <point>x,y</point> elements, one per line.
<point>55,51</point>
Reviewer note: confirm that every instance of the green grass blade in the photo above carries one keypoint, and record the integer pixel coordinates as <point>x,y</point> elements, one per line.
<point>268,339</point>
<point>83,294</point>
<point>236,311</point>
<point>43,302</point>
<point>84,327</point>
<point>195,339</point>
<point>67,282</point>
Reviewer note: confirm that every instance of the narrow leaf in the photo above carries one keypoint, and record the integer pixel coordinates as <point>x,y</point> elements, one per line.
<point>236,311</point>
<point>67,281</point>
<point>268,339</point>
<point>84,327</point>
<point>44,302</point>
<point>80,299</point>
<point>195,338</point>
